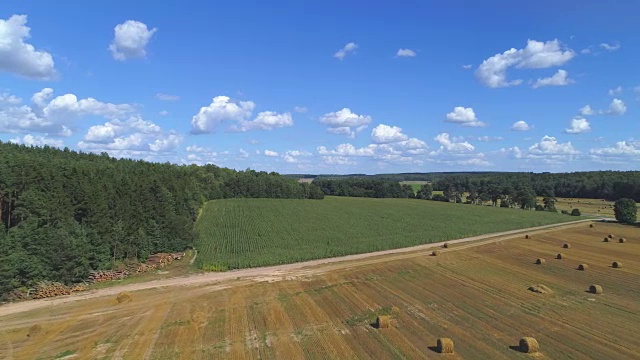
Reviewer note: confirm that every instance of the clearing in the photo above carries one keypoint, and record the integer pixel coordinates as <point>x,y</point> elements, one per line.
<point>475,293</point>
<point>240,233</point>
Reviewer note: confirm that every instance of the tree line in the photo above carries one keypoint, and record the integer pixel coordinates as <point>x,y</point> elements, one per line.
<point>364,187</point>
<point>64,213</point>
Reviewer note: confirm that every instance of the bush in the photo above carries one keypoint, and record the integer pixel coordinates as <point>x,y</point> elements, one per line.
<point>539,207</point>
<point>575,212</point>
<point>625,210</point>
<point>440,197</point>
<point>566,212</point>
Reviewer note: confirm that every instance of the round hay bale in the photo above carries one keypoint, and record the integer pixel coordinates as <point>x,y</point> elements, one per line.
<point>560,256</point>
<point>616,265</point>
<point>527,236</point>
<point>529,345</point>
<point>595,289</point>
<point>610,236</point>
<point>34,330</point>
<point>606,239</point>
<point>446,245</point>
<point>445,346</point>
<point>540,261</point>
<point>622,240</point>
<point>540,289</point>
<point>383,322</point>
<point>123,297</point>
<point>567,246</point>
<point>435,253</point>
<point>583,267</point>
<point>591,225</point>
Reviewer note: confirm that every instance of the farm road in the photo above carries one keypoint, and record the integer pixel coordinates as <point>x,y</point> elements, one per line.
<point>225,280</point>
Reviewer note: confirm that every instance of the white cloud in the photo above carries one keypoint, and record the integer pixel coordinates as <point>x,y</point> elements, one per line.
<point>406,53</point>
<point>617,107</point>
<point>349,48</point>
<point>300,109</point>
<point>345,122</point>
<point>112,129</point>
<point>467,67</point>
<point>521,126</point>
<point>536,55</point>
<point>383,134</point>
<point>347,150</point>
<point>56,115</point>
<point>558,79</point>
<point>196,148</point>
<point>490,138</point>
<point>221,109</point>
<point>475,162</point>
<point>130,40</point>
<point>167,97</point>
<point>293,156</point>
<point>615,91</point>
<point>578,126</point>
<point>549,145</point>
<point>449,145</point>
<point>621,149</point>
<point>464,116</point>
<point>166,142</point>
<point>610,47</point>
<point>270,153</point>
<point>266,120</point>
<point>163,113</point>
<point>20,58</point>
<point>586,110</point>
<point>243,153</point>
<point>34,140</point>
<point>338,160</point>
<point>6,98</point>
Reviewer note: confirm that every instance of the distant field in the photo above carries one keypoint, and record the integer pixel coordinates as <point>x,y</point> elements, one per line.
<point>239,233</point>
<point>586,206</point>
<point>475,295</point>
<point>416,185</point>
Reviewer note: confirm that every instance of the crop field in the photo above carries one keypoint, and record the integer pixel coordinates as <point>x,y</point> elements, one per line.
<point>240,233</point>
<point>416,185</point>
<point>475,294</point>
<point>586,206</point>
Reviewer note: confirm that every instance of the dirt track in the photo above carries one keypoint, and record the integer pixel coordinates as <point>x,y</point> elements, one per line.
<point>274,273</point>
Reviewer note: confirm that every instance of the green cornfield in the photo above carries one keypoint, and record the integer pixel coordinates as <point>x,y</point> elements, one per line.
<point>240,233</point>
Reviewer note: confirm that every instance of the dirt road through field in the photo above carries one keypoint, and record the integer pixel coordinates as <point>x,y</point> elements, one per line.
<point>273,273</point>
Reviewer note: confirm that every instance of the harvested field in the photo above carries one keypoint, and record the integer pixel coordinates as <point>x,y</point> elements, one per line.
<point>587,206</point>
<point>476,295</point>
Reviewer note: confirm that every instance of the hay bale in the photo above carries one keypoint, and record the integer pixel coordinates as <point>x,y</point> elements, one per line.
<point>34,330</point>
<point>616,265</point>
<point>595,289</point>
<point>610,236</point>
<point>383,322</point>
<point>591,225</point>
<point>540,261</point>
<point>446,245</point>
<point>567,246</point>
<point>606,239</point>
<point>622,240</point>
<point>560,256</point>
<point>123,297</point>
<point>529,345</point>
<point>583,267</point>
<point>435,253</point>
<point>445,346</point>
<point>527,236</point>
<point>540,289</point>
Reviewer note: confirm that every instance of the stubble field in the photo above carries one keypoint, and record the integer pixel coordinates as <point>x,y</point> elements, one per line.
<point>475,294</point>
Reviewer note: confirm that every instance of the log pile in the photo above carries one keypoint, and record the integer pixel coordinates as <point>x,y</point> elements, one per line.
<point>140,268</point>
<point>47,289</point>
<point>106,275</point>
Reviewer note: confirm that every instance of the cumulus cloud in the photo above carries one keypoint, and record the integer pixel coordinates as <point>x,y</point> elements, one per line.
<point>549,145</point>
<point>406,53</point>
<point>222,108</point>
<point>536,55</point>
<point>6,98</point>
<point>347,49</point>
<point>111,129</point>
<point>56,115</point>
<point>347,150</point>
<point>560,78</point>
<point>345,122</point>
<point>464,116</point>
<point>167,97</point>
<point>382,134</point>
<point>338,160</point>
<point>578,126</point>
<point>520,126</point>
<point>35,140</point>
<point>266,120</point>
<point>293,156</point>
<point>617,107</point>
<point>21,58</point>
<point>620,149</point>
<point>615,91</point>
<point>130,40</point>
<point>586,110</point>
<point>270,153</point>
<point>447,144</point>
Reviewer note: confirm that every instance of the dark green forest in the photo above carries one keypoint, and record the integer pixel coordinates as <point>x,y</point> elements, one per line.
<point>65,213</point>
<point>364,187</point>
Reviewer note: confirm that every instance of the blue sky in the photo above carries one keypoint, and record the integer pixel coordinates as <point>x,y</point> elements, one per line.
<point>327,87</point>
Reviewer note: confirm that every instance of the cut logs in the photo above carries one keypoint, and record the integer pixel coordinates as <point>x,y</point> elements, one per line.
<point>48,289</point>
<point>444,346</point>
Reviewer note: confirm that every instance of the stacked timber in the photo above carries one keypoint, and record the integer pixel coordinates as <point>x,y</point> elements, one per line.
<point>106,275</point>
<point>47,289</point>
<point>160,260</point>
